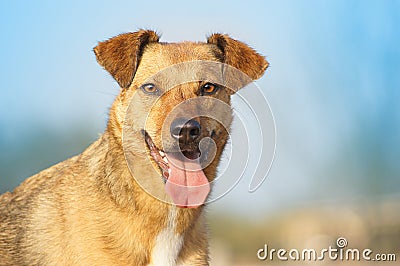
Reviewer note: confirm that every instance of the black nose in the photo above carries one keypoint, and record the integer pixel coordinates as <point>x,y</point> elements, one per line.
<point>185,130</point>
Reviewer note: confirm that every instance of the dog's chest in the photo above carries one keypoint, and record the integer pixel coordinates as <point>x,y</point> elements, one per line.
<point>168,243</point>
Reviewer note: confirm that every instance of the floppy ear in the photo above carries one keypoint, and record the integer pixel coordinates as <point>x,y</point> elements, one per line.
<point>239,55</point>
<point>120,55</point>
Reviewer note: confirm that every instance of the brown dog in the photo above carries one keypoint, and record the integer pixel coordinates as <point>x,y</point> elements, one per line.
<point>108,205</point>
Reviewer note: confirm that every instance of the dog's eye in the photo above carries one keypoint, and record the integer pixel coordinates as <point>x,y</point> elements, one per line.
<point>209,88</point>
<point>149,88</point>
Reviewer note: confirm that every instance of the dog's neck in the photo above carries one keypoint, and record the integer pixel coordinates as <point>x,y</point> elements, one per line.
<point>116,182</point>
<point>168,228</point>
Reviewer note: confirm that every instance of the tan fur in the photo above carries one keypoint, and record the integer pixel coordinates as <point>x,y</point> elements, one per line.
<point>89,210</point>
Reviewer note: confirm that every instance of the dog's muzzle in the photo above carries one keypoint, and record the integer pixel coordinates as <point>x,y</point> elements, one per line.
<point>185,181</point>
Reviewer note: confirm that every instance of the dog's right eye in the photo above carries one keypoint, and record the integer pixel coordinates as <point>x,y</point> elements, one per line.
<point>149,88</point>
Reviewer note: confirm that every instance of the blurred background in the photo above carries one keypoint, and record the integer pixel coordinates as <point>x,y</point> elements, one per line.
<point>333,86</point>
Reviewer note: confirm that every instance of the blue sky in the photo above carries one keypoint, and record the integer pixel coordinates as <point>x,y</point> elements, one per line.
<point>333,84</point>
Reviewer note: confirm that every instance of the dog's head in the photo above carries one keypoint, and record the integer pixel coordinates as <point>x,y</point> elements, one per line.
<point>174,105</point>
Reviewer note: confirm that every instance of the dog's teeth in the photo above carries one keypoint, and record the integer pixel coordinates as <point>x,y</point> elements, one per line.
<point>165,159</point>
<point>162,153</point>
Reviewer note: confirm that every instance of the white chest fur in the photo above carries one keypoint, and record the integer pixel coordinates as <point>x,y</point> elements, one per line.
<point>168,243</point>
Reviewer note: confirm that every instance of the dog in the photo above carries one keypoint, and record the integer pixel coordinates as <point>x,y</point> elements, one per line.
<point>124,200</point>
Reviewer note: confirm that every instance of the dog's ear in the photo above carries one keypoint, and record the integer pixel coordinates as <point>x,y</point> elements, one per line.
<point>239,55</point>
<point>120,55</point>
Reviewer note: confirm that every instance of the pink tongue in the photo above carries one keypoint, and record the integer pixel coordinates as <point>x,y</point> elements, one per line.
<point>187,184</point>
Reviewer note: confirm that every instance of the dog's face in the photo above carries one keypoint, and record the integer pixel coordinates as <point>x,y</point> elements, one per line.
<point>174,107</point>
<point>173,96</point>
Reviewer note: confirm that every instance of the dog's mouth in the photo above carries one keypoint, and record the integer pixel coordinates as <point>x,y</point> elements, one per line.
<point>184,178</point>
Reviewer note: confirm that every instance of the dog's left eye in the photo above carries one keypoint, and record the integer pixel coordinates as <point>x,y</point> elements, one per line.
<point>209,88</point>
<point>149,88</point>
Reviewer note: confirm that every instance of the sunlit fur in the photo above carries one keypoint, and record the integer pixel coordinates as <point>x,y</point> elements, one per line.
<point>89,210</point>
